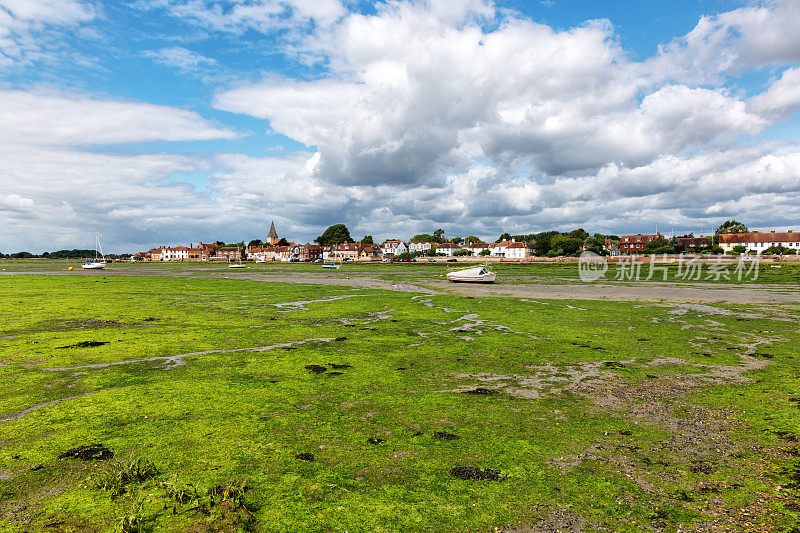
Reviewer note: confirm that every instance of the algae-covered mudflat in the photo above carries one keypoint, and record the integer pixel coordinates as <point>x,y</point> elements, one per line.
<point>246,403</point>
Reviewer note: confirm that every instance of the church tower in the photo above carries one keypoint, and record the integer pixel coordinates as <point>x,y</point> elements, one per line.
<point>272,236</point>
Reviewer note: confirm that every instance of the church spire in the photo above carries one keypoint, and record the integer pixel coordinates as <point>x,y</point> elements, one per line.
<point>272,236</point>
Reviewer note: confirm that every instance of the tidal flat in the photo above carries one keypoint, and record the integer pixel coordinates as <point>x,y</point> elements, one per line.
<point>193,399</point>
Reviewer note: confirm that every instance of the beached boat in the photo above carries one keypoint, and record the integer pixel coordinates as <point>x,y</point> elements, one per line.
<point>333,264</point>
<point>476,274</point>
<point>97,264</point>
<point>239,264</point>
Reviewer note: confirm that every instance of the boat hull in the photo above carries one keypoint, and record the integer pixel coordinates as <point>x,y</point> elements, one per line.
<point>456,277</point>
<point>99,265</point>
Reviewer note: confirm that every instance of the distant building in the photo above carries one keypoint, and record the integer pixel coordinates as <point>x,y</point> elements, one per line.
<point>635,243</point>
<point>369,252</point>
<point>347,250</point>
<point>447,248</point>
<point>758,242</point>
<point>519,250</point>
<point>690,243</point>
<point>423,247</point>
<point>393,248</point>
<point>228,253</point>
<point>476,248</point>
<point>272,236</point>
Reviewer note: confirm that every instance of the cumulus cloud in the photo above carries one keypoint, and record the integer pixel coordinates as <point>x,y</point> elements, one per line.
<point>237,16</point>
<point>730,42</point>
<point>23,25</point>
<point>426,114</point>
<point>51,119</point>
<point>781,99</point>
<point>57,189</point>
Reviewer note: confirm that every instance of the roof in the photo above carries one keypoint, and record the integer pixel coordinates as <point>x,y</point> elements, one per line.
<point>478,245</point>
<point>736,238</point>
<point>694,241</point>
<point>516,245</point>
<point>272,233</point>
<point>393,242</point>
<point>448,245</point>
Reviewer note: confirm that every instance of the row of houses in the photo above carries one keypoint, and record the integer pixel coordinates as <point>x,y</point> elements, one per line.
<point>510,249</point>
<point>755,242</point>
<point>635,243</point>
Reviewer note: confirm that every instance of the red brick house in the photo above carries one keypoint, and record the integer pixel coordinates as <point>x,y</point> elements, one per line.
<point>635,243</point>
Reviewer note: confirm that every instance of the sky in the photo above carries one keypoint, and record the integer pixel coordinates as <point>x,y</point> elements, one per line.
<point>173,121</point>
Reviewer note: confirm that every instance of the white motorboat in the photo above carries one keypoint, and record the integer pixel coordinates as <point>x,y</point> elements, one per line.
<point>331,265</point>
<point>97,264</point>
<point>238,264</point>
<point>476,274</point>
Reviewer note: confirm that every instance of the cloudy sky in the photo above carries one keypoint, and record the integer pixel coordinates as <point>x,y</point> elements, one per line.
<point>172,121</point>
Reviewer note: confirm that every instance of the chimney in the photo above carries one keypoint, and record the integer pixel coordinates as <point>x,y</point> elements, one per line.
<point>773,231</point>
<point>789,231</point>
<point>755,232</point>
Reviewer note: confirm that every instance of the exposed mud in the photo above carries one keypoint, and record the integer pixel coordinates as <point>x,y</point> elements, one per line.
<point>445,435</point>
<point>316,369</point>
<point>476,474</point>
<point>84,344</point>
<point>305,457</point>
<point>91,452</point>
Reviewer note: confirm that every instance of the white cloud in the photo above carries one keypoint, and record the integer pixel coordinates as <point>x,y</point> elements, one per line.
<point>51,119</point>
<point>427,114</point>
<point>730,42</point>
<point>781,99</point>
<point>236,16</point>
<point>186,61</point>
<point>23,25</point>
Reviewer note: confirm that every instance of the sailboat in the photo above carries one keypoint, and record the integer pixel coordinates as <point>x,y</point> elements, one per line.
<point>96,264</point>
<point>476,274</point>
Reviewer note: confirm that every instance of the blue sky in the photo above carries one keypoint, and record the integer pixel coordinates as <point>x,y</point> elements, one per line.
<point>173,121</point>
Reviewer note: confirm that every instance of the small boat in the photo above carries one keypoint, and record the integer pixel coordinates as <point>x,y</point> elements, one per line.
<point>96,264</point>
<point>236,265</point>
<point>333,264</point>
<point>476,274</point>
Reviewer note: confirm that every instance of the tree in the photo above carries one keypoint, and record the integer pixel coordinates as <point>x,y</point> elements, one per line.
<point>659,245</point>
<point>282,242</point>
<point>740,249</point>
<point>461,253</point>
<point>471,239</point>
<point>255,242</point>
<point>565,245</point>
<point>367,240</point>
<point>504,237</point>
<point>424,237</point>
<point>579,233</point>
<point>731,226</point>
<point>336,234</point>
<point>438,235</point>
<point>455,240</point>
<point>485,252</point>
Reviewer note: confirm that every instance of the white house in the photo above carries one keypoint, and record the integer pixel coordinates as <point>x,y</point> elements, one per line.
<point>423,247</point>
<point>498,249</point>
<point>518,250</point>
<point>393,248</point>
<point>176,253</point>
<point>758,242</point>
<point>476,248</point>
<point>447,248</point>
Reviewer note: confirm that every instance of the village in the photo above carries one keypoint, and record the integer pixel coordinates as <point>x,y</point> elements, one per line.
<point>735,240</point>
